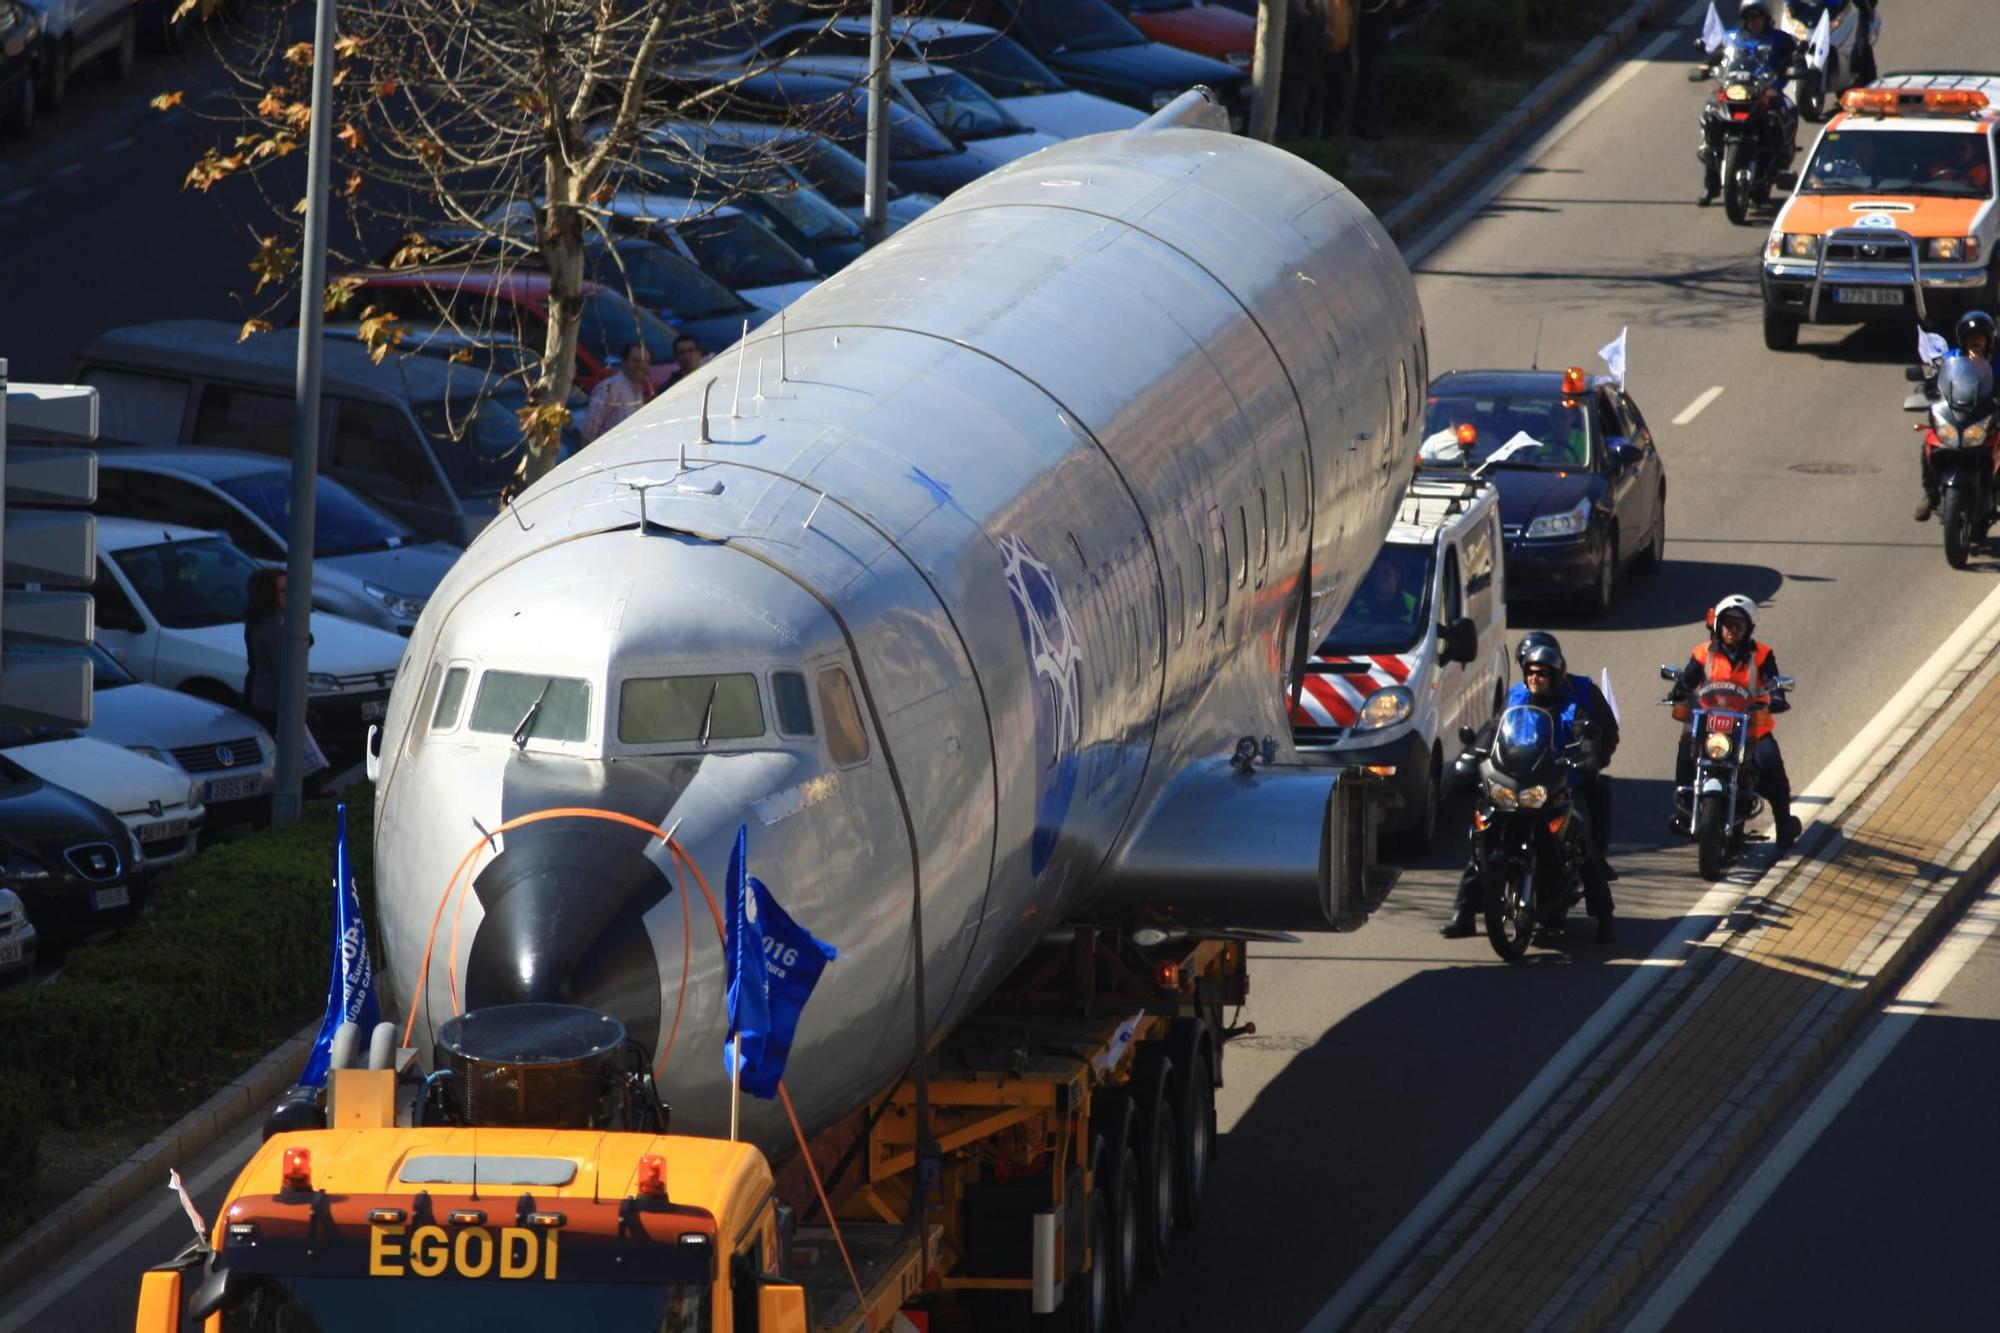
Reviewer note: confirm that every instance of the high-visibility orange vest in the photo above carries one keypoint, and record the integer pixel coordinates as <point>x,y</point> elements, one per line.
<point>1718,669</point>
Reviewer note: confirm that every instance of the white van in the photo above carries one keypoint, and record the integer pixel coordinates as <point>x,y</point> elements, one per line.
<point>1420,651</point>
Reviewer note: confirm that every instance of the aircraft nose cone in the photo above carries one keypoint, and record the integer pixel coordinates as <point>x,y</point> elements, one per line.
<point>564,907</point>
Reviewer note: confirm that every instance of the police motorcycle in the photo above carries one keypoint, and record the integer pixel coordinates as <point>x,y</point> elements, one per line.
<point>1749,128</point>
<point>1850,60</point>
<point>1723,796</point>
<point>1531,846</point>
<point>1962,443</point>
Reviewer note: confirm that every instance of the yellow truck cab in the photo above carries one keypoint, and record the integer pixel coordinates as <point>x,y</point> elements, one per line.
<point>1893,216</point>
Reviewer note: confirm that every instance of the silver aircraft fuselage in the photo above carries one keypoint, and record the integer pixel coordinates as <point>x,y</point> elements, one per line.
<point>1007,536</point>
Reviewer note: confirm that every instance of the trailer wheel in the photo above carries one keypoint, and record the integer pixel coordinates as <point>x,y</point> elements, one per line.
<point>1158,1162</point>
<point>1194,1102</point>
<point>1118,1183</point>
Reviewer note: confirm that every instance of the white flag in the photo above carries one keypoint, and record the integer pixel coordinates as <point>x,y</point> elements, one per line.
<point>1712,31</point>
<point>1820,45</point>
<point>1614,356</point>
<point>187,1202</point>
<point>1604,676</point>
<point>1931,347</point>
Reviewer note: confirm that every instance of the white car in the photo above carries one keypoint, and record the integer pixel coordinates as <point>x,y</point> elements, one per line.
<point>954,103</point>
<point>17,937</point>
<point>156,801</point>
<point>1032,92</point>
<point>170,609</point>
<point>730,245</point>
<point>79,31</point>
<point>801,154</point>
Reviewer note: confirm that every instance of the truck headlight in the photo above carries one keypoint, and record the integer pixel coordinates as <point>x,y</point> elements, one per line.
<point>1162,96</point>
<point>1715,745</point>
<point>1800,245</point>
<point>319,682</point>
<point>402,605</point>
<point>1953,249</point>
<point>1385,708</point>
<point>1569,523</point>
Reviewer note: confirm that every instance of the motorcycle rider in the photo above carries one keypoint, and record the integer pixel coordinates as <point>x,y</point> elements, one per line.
<point>1546,683</point>
<point>1753,20</point>
<point>1731,654</point>
<point>1975,334</point>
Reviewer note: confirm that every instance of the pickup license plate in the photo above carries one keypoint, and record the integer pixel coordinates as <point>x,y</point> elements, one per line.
<point>229,789</point>
<point>102,900</point>
<point>10,953</point>
<point>1869,295</point>
<point>372,710</point>
<point>159,832</point>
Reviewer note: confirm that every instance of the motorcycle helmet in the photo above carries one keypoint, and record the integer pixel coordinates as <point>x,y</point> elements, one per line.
<point>1975,322</point>
<point>1752,7</point>
<point>1739,604</point>
<point>1544,654</point>
<point>1964,384</point>
<point>1539,638</point>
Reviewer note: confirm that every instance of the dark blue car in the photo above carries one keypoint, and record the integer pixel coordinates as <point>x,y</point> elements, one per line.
<point>1583,495</point>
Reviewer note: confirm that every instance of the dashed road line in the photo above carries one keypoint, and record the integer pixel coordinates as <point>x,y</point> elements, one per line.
<point>67,169</point>
<point>119,145</point>
<point>1698,406</point>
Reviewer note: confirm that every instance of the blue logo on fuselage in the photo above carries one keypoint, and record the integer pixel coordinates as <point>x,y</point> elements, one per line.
<point>1055,654</point>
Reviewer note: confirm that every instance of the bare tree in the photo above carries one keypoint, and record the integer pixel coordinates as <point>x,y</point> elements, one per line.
<point>495,130</point>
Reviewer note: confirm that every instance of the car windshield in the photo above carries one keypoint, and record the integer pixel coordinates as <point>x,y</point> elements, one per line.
<point>477,436</point>
<point>11,736</point>
<point>742,252</point>
<point>962,107</point>
<point>663,281</point>
<point>343,522</point>
<point>911,133</point>
<point>1056,26</point>
<point>189,584</point>
<point>808,212</point>
<point>1388,611</point>
<point>106,671</point>
<point>611,324</point>
<point>762,180</point>
<point>999,64</point>
<point>1901,162</point>
<point>1531,429</point>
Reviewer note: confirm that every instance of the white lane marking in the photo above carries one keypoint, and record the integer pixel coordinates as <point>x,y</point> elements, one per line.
<point>67,169</point>
<point>16,196</point>
<point>86,1263</point>
<point>1895,1023</point>
<point>1698,406</point>
<point>119,145</point>
<point>1394,1251</point>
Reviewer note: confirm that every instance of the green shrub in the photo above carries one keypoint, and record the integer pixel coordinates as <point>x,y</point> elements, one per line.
<point>1556,18</point>
<point>21,1125</point>
<point>1483,30</point>
<point>1329,155</point>
<point>1421,91</point>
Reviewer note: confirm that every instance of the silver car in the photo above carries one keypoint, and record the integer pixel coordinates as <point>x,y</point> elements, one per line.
<point>368,565</point>
<point>17,938</point>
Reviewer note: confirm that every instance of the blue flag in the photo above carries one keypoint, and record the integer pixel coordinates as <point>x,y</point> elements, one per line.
<point>350,983</point>
<point>772,964</point>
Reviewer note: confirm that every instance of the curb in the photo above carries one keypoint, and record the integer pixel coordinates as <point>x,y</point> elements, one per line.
<point>145,1170</point>
<point>1537,108</point>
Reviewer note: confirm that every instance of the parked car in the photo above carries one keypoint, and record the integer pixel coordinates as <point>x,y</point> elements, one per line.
<point>154,799</point>
<point>954,103</point>
<point>75,866</point>
<point>76,32</point>
<point>20,66</point>
<point>735,248</point>
<point>428,439</point>
<point>1583,493</point>
<point>1195,25</point>
<point>1030,91</point>
<point>1097,49</point>
<point>18,942</point>
<point>804,155</point>
<point>170,607</point>
<point>233,760</point>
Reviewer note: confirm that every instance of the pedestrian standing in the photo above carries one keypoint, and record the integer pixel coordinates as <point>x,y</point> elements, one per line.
<point>619,396</point>
<point>264,645</point>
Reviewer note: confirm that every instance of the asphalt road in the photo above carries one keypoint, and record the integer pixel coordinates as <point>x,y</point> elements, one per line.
<point>1382,1056</point>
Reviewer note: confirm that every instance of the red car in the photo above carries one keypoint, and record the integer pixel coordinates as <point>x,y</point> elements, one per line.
<point>1206,29</point>
<point>518,303</point>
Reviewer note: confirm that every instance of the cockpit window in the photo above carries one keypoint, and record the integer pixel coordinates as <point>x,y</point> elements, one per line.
<point>531,707</point>
<point>689,708</point>
<point>795,714</point>
<point>448,700</point>
<point>846,738</point>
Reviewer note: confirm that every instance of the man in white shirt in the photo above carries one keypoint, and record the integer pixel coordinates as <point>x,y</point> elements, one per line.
<point>619,396</point>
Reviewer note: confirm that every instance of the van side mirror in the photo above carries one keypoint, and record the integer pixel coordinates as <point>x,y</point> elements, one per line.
<point>1467,737</point>
<point>1458,641</point>
<point>1670,673</point>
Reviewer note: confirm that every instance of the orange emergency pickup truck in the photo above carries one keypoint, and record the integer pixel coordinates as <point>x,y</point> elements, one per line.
<point>1893,216</point>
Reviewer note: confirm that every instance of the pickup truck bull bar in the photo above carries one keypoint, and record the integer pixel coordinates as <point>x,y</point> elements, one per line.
<point>1863,236</point>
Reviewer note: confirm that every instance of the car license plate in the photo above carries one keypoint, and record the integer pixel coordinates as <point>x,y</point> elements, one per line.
<point>372,710</point>
<point>102,900</point>
<point>229,789</point>
<point>11,953</point>
<point>164,829</point>
<point>1868,295</point>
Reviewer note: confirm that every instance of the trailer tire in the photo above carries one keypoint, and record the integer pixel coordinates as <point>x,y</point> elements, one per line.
<point>1159,1154</point>
<point>1194,1105</point>
<point>1118,1176</point>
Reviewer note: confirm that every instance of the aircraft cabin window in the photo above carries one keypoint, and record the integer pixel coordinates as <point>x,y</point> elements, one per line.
<point>1242,546</point>
<point>1284,507</point>
<point>846,738</point>
<point>1221,562</point>
<point>533,707</point>
<point>1180,605</point>
<point>689,708</point>
<point>1305,492</point>
<point>1263,528</point>
<point>1200,584</point>
<point>449,698</point>
<point>795,714</point>
<point>1138,646</point>
<point>1403,392</point>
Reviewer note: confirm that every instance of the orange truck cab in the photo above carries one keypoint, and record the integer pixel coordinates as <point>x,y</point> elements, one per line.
<point>1893,216</point>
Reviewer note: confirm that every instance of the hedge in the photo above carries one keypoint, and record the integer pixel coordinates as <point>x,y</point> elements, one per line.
<point>1424,90</point>
<point>230,957</point>
<point>1485,30</point>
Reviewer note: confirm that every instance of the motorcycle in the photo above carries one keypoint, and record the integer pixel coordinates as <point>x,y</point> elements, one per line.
<point>1962,447</point>
<point>1530,846</point>
<point>1723,796</point>
<point>1850,60</point>
<point>1749,128</point>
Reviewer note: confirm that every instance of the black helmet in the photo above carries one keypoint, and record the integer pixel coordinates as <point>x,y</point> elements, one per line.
<point>1752,7</point>
<point>1544,654</point>
<point>1539,639</point>
<point>1974,321</point>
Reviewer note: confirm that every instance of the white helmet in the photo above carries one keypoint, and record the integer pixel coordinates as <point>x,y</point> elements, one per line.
<point>1753,7</point>
<point>1738,603</point>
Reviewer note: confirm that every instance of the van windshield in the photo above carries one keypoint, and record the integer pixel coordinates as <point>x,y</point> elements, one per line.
<point>1389,613</point>
<point>477,438</point>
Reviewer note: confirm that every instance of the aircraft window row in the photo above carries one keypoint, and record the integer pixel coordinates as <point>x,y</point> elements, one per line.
<point>532,707</point>
<point>1305,493</point>
<point>846,738</point>
<point>788,693</point>
<point>1264,531</point>
<point>703,708</point>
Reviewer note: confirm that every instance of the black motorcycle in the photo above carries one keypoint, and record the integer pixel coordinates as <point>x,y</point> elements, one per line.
<point>1962,445</point>
<point>1526,835</point>
<point>1749,128</point>
<point>1722,798</point>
